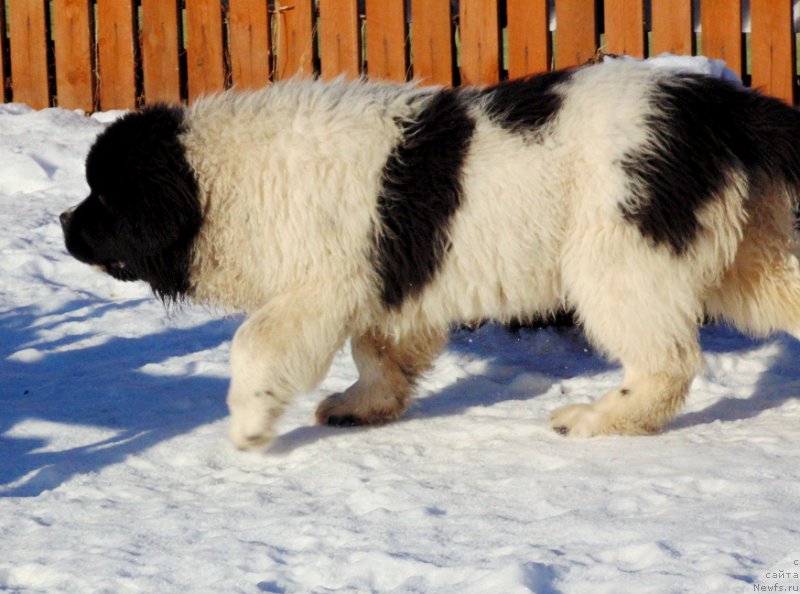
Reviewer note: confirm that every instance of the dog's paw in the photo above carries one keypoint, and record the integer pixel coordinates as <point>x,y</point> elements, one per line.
<point>251,441</point>
<point>348,409</point>
<point>616,413</point>
<point>339,410</point>
<point>342,421</point>
<point>576,420</point>
<point>247,435</point>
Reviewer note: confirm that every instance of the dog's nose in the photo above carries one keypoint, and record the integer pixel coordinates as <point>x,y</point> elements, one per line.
<point>64,217</point>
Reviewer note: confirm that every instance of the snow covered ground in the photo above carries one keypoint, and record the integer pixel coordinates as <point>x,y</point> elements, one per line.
<point>116,476</point>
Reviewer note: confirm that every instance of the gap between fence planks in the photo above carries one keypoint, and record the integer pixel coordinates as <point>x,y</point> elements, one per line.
<point>3,83</point>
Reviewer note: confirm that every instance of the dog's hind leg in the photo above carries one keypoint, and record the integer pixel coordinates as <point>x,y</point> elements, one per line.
<point>643,405</point>
<point>388,373</point>
<point>641,305</point>
<point>760,293</point>
<point>659,369</point>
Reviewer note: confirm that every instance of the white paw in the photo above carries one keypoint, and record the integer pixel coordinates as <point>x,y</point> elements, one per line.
<point>251,432</point>
<point>576,420</point>
<point>249,440</point>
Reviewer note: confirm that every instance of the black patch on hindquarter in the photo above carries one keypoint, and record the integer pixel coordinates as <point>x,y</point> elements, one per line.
<point>700,130</point>
<point>525,104</point>
<point>143,212</point>
<point>420,192</point>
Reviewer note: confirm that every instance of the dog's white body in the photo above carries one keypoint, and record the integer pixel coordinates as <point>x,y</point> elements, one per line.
<point>289,179</point>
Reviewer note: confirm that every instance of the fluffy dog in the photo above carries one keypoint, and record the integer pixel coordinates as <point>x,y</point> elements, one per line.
<point>643,199</point>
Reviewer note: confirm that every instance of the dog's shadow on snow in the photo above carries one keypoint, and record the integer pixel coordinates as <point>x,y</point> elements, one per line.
<point>94,388</point>
<point>512,355</point>
<point>102,387</point>
<point>504,365</point>
<point>520,365</point>
<point>777,384</point>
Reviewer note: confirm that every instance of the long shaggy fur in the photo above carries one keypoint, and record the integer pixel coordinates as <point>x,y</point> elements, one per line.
<point>641,199</point>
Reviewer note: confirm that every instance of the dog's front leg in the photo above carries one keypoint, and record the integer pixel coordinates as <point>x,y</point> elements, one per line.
<point>284,348</point>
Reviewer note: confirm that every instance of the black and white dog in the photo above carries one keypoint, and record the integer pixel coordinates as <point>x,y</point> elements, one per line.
<point>641,198</point>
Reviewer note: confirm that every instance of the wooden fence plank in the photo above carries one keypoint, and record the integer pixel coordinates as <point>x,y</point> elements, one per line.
<point>480,42</point>
<point>72,40</point>
<point>672,27</point>
<point>28,44</point>
<point>772,47</point>
<point>248,40</point>
<point>721,22</point>
<point>576,32</point>
<point>527,37</point>
<point>624,26</point>
<point>205,68</point>
<point>117,76</point>
<point>293,38</point>
<point>160,50</point>
<point>386,40</point>
<point>432,41</point>
<point>339,38</point>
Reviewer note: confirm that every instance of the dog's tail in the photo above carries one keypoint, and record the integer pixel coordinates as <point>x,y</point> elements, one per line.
<point>771,128</point>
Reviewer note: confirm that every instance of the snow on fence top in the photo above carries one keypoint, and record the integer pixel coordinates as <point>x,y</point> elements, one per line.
<point>117,54</point>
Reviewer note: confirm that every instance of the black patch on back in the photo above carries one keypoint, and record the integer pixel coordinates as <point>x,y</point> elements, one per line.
<point>143,212</point>
<point>421,191</point>
<point>701,129</point>
<point>525,104</point>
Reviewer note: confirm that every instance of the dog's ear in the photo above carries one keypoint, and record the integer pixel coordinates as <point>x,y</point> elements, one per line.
<point>138,167</point>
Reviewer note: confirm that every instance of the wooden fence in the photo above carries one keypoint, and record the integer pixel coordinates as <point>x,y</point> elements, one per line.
<point>117,54</point>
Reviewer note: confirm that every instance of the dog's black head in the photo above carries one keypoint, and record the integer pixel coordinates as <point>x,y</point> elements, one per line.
<point>143,212</point>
